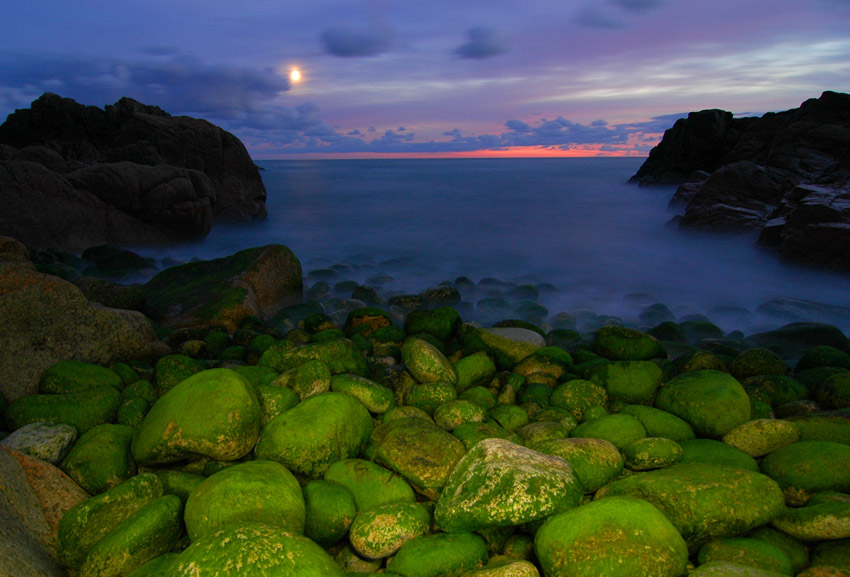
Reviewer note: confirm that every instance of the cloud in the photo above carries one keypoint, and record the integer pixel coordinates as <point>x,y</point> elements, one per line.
<point>350,42</point>
<point>640,5</point>
<point>482,42</point>
<point>615,13</point>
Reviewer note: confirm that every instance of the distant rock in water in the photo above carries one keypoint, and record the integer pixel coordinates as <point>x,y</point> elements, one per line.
<point>73,176</point>
<point>785,176</point>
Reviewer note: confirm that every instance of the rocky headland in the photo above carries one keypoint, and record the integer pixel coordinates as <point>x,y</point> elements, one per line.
<point>74,176</point>
<point>784,177</point>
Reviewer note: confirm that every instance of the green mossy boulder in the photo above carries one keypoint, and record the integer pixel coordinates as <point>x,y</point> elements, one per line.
<point>660,423</point>
<point>371,485</point>
<point>624,344</point>
<point>554,361</point>
<point>834,392</point>
<point>379,533</point>
<point>817,522</point>
<point>156,567</point>
<point>426,363</point>
<point>456,412</point>
<point>340,356</point>
<point>474,370</point>
<point>214,414</point>
<point>307,380</point>
<point>611,537</point>
<point>179,483</point>
<point>366,320</point>
<point>131,412</point>
<point>440,322</point>
<point>717,453</point>
<point>141,389</point>
<point>499,483</point>
<point>330,510</point>
<point>824,427</point>
<point>595,461</point>
<point>698,360</point>
<point>705,501</point>
<point>780,389</point>
<point>634,382</point>
<point>541,431</point>
<point>149,532</point>
<point>506,346</point>
<point>619,430</point>
<point>419,451</point>
<point>470,434</point>
<point>746,551</point>
<point>652,453</point>
<point>376,398</point>
<point>101,458</point>
<point>823,356</point>
<point>760,437</point>
<point>481,396</point>
<point>808,467</point>
<point>712,402</point>
<point>317,432</point>
<point>273,401</point>
<point>255,550</point>
<point>577,396</point>
<point>71,376</point>
<point>834,553</point>
<point>429,396</point>
<point>755,362</point>
<point>170,370</point>
<point>729,569</point>
<point>254,491</point>
<point>509,417</point>
<point>501,566</point>
<point>796,552</point>
<point>82,410</point>
<point>439,555</point>
<point>89,521</point>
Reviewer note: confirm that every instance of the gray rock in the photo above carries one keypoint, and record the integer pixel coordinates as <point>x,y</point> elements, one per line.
<point>44,441</point>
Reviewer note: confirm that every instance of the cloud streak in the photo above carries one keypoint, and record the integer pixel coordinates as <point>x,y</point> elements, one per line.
<point>482,42</point>
<point>347,42</point>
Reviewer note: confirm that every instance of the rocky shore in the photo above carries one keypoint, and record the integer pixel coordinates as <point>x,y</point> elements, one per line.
<point>783,177</point>
<point>236,420</point>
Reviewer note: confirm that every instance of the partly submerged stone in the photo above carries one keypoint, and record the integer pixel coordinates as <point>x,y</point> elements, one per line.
<point>70,376</point>
<point>712,402</point>
<point>808,467</point>
<point>595,461</point>
<point>254,491</point>
<point>760,437</point>
<point>317,432</point>
<point>101,458</point>
<point>610,537</point>
<point>624,344</point>
<point>44,441</point>
<point>149,532</point>
<point>439,555</point>
<point>82,410</point>
<point>371,485</point>
<point>257,551</point>
<point>419,451</point>
<point>330,510</point>
<point>214,414</point>
<point>379,533</point>
<point>746,551</point>
<point>340,356</point>
<point>705,501</point>
<point>498,483</point>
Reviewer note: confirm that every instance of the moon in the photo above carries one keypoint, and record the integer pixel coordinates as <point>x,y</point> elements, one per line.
<point>295,76</point>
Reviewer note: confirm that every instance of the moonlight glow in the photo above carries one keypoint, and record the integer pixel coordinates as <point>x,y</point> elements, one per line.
<point>295,76</point>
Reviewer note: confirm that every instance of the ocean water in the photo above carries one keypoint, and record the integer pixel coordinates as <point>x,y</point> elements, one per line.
<point>576,224</point>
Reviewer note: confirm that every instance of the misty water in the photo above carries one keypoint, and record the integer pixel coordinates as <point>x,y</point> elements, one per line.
<point>576,224</point>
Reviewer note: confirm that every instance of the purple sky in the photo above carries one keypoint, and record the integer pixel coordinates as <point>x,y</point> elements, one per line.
<point>404,76</point>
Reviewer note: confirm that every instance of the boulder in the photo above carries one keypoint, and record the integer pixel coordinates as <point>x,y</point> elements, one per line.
<point>439,555</point>
<point>68,327</point>
<point>44,441</point>
<point>712,402</point>
<point>805,468</point>
<point>330,510</point>
<point>379,533</point>
<point>371,485</point>
<point>221,292</point>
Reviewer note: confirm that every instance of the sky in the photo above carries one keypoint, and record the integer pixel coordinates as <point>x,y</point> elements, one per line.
<point>429,78</point>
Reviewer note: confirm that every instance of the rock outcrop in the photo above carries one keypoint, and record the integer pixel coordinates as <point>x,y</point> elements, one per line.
<point>73,176</point>
<point>44,319</point>
<point>785,176</point>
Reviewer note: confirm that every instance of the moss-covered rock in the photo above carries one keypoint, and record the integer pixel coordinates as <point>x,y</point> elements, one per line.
<point>440,322</point>
<point>506,346</point>
<point>760,437</point>
<point>131,412</point>
<point>817,522</point>
<point>823,356</point>
<point>712,402</point>
<point>274,401</point>
<point>149,532</point>
<point>179,483</point>
<point>458,411</point>
<point>439,555</point>
<point>340,356</point>
<point>470,434</point>
<point>808,467</point>
<point>426,363</point>
<point>755,362</point>
<point>780,389</point>
<point>376,398</point>
<point>254,491</point>
<point>258,551</point>
<point>796,552</point>
<point>833,553</point>
<point>474,370</point>
<point>628,381</point>
<point>156,567</point>
<point>660,423</point>
<point>141,389</point>
<point>534,433</point>
<point>652,453</point>
<point>380,532</point>
<point>619,430</point>
<point>330,510</point>
<point>502,566</point>
<point>595,461</point>
<point>82,410</point>
<point>745,551</point>
<point>624,344</point>
<point>89,521</point>
<point>577,396</point>
<point>419,451</point>
<point>498,483</point>
<point>554,361</point>
<point>509,417</point>
<point>71,376</point>
<point>214,414</point>
<point>170,370</point>
<point>823,427</point>
<point>371,485</point>
<point>834,392</point>
<point>101,458</point>
<point>729,569</point>
<point>618,535</point>
<point>705,501</point>
<point>319,431</point>
<point>717,453</point>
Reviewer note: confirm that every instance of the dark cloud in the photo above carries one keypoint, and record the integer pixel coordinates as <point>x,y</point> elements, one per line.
<point>615,13</point>
<point>596,16</point>
<point>350,42</point>
<point>640,5</point>
<point>482,43</point>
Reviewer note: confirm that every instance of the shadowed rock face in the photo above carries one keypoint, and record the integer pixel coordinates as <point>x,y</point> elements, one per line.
<point>72,176</point>
<point>785,176</point>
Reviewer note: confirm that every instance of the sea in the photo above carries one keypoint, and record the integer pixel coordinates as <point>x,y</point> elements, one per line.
<point>574,227</point>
